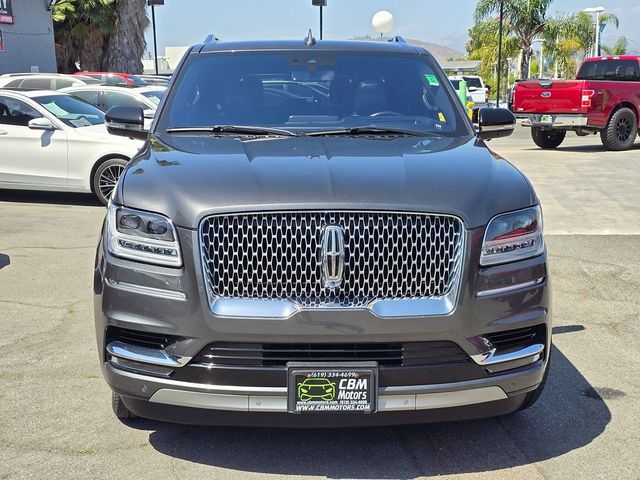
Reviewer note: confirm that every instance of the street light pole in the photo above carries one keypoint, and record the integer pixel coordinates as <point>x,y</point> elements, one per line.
<point>499,54</point>
<point>152,4</point>
<point>597,11</point>
<point>321,4</point>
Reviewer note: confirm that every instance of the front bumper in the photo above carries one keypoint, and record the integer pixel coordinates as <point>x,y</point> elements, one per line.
<point>173,302</point>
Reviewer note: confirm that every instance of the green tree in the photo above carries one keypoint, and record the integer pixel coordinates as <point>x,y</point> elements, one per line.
<point>483,46</point>
<point>80,30</point>
<point>618,48</point>
<point>100,35</point>
<point>524,19</point>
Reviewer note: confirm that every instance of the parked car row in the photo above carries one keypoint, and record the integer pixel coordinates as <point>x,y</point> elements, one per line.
<point>52,132</point>
<point>53,141</point>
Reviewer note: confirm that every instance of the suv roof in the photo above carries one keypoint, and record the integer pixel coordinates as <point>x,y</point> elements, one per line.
<point>393,46</point>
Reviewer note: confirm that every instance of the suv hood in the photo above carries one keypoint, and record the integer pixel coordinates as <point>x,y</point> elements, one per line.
<point>188,177</point>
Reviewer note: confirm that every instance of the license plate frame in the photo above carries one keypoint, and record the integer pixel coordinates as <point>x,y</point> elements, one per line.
<point>357,394</point>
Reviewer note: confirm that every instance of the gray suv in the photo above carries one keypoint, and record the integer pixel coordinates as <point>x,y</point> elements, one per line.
<point>346,251</point>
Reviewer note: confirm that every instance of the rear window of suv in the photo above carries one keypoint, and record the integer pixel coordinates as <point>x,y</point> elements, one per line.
<point>324,90</point>
<point>622,70</point>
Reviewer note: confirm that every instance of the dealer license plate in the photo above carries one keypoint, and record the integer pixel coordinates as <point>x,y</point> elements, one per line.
<point>546,119</point>
<point>332,388</point>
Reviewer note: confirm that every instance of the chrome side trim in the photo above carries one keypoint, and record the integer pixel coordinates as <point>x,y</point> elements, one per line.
<point>142,290</point>
<point>278,404</point>
<point>497,128</point>
<point>283,309</point>
<point>153,356</point>
<point>510,288</point>
<point>492,357</point>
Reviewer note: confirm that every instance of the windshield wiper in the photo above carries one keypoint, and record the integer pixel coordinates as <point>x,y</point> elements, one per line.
<point>239,129</point>
<point>369,130</point>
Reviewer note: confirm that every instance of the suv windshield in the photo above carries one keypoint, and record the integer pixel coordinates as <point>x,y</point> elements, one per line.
<point>307,91</point>
<point>72,111</point>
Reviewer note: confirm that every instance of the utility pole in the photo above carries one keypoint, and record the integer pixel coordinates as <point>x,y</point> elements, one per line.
<point>499,53</point>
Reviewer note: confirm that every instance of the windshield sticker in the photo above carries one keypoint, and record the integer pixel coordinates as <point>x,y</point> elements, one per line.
<point>441,117</point>
<point>80,122</point>
<point>433,81</point>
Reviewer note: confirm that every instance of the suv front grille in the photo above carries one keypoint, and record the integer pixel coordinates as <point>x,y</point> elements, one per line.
<point>389,354</point>
<point>278,256</point>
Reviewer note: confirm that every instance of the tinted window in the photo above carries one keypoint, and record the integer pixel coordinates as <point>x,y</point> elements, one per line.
<point>455,83</point>
<point>14,83</point>
<point>37,83</point>
<point>71,111</point>
<point>122,99</point>
<point>90,96</point>
<point>473,82</point>
<point>16,112</point>
<point>609,70</point>
<point>402,91</point>
<point>115,80</point>
<point>59,83</point>
<point>137,81</point>
<point>155,95</point>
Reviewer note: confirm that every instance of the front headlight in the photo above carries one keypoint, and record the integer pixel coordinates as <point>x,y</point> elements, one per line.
<point>142,236</point>
<point>513,236</point>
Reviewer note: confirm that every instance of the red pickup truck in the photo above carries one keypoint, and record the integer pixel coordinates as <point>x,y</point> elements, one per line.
<point>604,98</point>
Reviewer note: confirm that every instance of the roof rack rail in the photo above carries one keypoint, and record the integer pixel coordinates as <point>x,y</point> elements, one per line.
<point>397,39</point>
<point>211,38</point>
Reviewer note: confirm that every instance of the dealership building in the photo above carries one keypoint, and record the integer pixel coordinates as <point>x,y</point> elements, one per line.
<point>26,36</point>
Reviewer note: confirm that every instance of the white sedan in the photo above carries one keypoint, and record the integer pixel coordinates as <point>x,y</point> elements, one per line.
<point>53,141</point>
<point>106,96</point>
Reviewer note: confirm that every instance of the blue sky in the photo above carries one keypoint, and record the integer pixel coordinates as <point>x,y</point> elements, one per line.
<point>185,22</point>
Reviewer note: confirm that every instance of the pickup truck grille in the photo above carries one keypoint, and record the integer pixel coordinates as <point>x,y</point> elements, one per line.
<point>279,256</point>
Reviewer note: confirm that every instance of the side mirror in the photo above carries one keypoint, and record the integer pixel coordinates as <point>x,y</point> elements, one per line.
<point>493,122</point>
<point>148,113</point>
<point>41,123</point>
<point>126,122</point>
<point>472,89</point>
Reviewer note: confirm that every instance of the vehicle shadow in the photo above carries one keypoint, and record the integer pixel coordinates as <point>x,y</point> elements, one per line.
<point>584,149</point>
<point>569,415</point>
<point>5,260</point>
<point>55,198</point>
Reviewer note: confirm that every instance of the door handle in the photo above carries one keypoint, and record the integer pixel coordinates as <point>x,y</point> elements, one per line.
<point>3,132</point>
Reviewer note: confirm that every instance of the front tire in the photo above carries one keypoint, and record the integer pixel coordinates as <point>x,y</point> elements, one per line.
<point>106,177</point>
<point>547,139</point>
<point>621,130</point>
<point>119,408</point>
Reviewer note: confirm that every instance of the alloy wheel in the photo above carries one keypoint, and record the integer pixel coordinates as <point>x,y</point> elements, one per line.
<point>109,179</point>
<point>623,129</point>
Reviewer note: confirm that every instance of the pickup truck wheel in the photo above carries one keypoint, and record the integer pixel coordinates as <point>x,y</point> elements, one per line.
<point>119,407</point>
<point>547,138</point>
<point>621,130</point>
<point>106,177</point>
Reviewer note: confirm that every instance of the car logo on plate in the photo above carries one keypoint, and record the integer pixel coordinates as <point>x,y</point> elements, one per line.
<point>546,94</point>
<point>332,256</point>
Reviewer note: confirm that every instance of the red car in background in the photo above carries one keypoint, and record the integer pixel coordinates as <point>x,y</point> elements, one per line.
<point>110,78</point>
<point>604,98</point>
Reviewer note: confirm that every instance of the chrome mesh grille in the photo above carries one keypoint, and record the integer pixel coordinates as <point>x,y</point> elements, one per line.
<point>277,256</point>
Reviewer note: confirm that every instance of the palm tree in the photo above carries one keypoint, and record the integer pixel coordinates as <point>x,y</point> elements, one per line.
<point>81,27</point>
<point>483,39</point>
<point>618,48</point>
<point>524,19</point>
<point>127,43</point>
<point>606,19</point>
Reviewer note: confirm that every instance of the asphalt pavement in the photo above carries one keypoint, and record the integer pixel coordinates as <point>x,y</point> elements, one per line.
<point>56,419</point>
